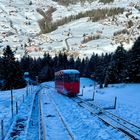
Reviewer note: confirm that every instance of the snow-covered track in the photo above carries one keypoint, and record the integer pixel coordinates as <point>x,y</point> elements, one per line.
<point>125,127</point>
<point>42,131</point>
<point>32,131</point>
<point>71,136</point>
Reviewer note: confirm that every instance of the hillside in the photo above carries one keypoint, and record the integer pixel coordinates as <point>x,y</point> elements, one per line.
<point>99,31</point>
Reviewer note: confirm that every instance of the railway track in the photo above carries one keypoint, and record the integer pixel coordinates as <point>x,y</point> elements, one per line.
<point>36,129</point>
<point>127,128</point>
<point>42,131</point>
<point>69,133</point>
<point>33,131</point>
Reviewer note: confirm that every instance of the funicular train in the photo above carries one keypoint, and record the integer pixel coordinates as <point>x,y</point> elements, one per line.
<point>67,82</point>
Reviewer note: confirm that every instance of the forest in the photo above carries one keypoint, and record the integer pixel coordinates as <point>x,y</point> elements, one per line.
<point>121,66</point>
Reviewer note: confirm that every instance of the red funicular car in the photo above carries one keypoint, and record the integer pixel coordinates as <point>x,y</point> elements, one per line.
<point>67,82</point>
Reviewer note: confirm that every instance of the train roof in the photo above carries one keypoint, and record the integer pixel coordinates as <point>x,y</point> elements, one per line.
<point>68,71</point>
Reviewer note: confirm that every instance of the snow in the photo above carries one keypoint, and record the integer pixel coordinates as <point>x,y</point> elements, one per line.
<point>70,71</point>
<point>80,122</point>
<point>59,111</point>
<point>15,16</point>
<point>19,96</point>
<point>5,105</point>
<point>127,98</point>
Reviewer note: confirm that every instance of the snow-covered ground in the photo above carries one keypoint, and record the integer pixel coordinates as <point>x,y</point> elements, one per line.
<point>5,105</point>
<point>63,118</point>
<point>18,23</point>
<point>19,96</point>
<point>127,98</point>
<point>83,125</point>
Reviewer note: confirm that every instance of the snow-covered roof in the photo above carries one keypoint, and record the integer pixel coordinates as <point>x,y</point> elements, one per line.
<point>70,71</point>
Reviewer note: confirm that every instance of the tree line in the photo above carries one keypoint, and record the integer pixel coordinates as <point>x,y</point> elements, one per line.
<point>117,67</point>
<point>46,25</point>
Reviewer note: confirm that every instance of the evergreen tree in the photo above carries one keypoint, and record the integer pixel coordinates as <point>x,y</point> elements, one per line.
<point>11,70</point>
<point>82,67</point>
<point>71,62</point>
<point>134,62</point>
<point>117,69</point>
<point>77,63</point>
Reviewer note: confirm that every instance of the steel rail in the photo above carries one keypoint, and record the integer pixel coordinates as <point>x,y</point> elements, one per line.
<point>100,113</point>
<point>42,131</point>
<point>61,118</point>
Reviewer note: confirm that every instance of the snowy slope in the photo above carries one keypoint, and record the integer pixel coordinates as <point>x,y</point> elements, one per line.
<point>18,21</point>
<point>81,124</point>
<point>19,96</point>
<point>127,98</point>
<point>63,118</point>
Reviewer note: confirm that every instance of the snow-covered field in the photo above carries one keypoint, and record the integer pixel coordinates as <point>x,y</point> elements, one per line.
<point>65,119</point>
<point>18,23</point>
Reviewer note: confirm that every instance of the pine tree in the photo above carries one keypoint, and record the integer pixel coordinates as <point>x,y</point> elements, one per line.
<point>77,63</point>
<point>117,69</point>
<point>71,62</point>
<point>134,62</point>
<point>11,70</point>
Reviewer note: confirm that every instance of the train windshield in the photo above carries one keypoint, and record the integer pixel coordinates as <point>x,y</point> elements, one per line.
<point>71,78</point>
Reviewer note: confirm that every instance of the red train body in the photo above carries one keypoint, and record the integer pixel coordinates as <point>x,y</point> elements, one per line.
<point>67,82</point>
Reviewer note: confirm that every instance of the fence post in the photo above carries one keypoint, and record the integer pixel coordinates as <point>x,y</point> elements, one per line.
<point>12,103</point>
<point>82,91</point>
<point>23,98</point>
<point>16,107</point>
<point>27,90</point>
<point>115,102</point>
<point>2,130</point>
<point>94,91</point>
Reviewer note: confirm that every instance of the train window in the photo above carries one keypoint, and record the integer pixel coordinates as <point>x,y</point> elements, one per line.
<point>71,78</point>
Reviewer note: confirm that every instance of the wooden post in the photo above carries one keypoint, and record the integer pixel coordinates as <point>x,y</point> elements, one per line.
<point>12,103</point>
<point>23,98</point>
<point>27,90</point>
<point>82,91</point>
<point>31,89</point>
<point>94,91</point>
<point>115,102</point>
<point>2,130</point>
<point>16,107</point>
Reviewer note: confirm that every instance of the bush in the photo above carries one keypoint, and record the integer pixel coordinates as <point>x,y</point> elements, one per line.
<point>106,1</point>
